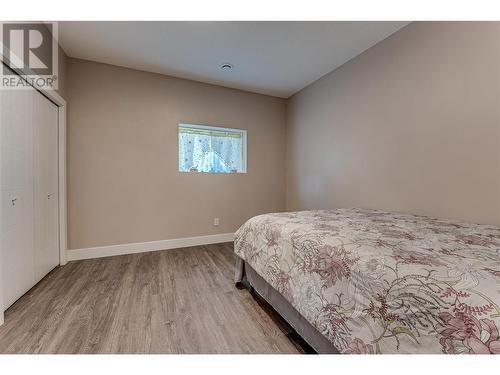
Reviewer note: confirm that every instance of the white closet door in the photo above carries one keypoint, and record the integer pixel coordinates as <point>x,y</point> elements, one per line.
<point>17,193</point>
<point>46,186</point>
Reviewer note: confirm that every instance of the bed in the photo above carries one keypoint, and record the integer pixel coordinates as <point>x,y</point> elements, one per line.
<point>365,281</point>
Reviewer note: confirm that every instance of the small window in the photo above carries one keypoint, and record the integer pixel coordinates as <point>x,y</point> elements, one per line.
<point>211,149</point>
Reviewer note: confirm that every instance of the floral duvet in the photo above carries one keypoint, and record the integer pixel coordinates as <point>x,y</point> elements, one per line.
<point>378,282</point>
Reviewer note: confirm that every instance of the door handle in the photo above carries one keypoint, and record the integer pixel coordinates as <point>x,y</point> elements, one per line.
<point>14,201</point>
<point>48,196</point>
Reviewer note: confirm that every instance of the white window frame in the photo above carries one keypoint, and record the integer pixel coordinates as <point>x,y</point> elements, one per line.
<point>220,129</point>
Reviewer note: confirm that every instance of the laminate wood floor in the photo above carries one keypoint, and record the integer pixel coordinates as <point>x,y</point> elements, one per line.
<point>172,301</point>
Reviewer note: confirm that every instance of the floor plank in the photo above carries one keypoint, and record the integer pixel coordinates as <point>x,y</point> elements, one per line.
<point>172,301</point>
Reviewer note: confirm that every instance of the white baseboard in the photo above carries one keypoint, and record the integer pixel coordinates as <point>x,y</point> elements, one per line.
<point>142,247</point>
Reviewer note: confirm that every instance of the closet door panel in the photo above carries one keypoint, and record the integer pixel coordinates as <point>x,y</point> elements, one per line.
<point>29,225</point>
<point>10,215</point>
<point>18,273</point>
<point>53,188</point>
<point>17,194</point>
<point>40,185</point>
<point>17,244</point>
<point>46,185</point>
<point>16,169</point>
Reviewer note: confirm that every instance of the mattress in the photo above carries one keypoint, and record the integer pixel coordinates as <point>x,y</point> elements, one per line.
<point>377,282</point>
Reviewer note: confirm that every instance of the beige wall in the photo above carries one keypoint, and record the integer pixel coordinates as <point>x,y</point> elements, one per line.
<point>123,179</point>
<point>410,125</point>
<point>62,61</point>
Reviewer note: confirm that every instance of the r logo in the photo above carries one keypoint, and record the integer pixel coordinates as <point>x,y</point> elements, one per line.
<point>28,47</point>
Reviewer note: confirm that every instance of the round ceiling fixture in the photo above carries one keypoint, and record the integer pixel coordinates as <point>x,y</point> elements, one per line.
<point>226,67</point>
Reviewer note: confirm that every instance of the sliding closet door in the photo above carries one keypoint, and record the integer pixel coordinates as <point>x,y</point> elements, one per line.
<point>46,186</point>
<point>17,193</point>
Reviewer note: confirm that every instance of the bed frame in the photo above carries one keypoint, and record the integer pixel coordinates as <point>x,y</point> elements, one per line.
<point>246,277</point>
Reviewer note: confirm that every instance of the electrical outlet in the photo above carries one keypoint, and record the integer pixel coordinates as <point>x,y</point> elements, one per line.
<point>216,221</point>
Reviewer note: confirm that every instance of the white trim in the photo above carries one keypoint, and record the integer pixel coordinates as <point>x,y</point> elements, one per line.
<point>211,127</point>
<point>63,232</point>
<point>142,247</point>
